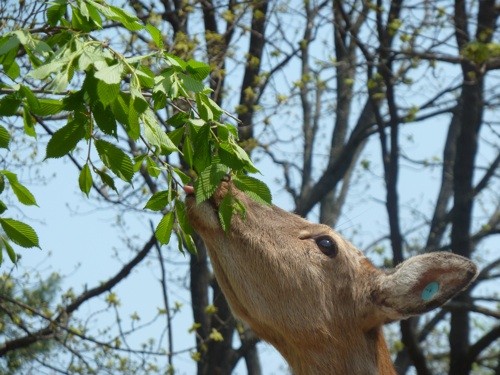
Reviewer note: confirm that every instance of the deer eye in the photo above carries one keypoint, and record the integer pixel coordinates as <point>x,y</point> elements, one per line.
<point>327,246</point>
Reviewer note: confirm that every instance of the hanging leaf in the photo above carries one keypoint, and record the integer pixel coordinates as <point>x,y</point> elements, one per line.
<point>208,181</point>
<point>159,200</point>
<point>65,139</point>
<point>4,137</point>
<point>115,159</point>
<point>20,233</point>
<point>21,192</point>
<point>85,179</point>
<point>254,188</point>
<point>163,231</point>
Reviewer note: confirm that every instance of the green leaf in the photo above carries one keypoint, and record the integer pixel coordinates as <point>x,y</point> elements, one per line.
<point>8,43</point>
<point>29,123</point>
<point>152,167</point>
<point>115,159</point>
<point>201,137</point>
<point>190,83</point>
<point>182,219</point>
<point>10,251</point>
<point>163,231</point>
<point>155,35</point>
<point>207,108</point>
<point>128,20</point>
<point>156,136</point>
<point>254,188</point>
<point>65,139</point>
<point>110,74</point>
<point>55,13</point>
<point>106,179</point>
<point>107,93</point>
<point>85,179</point>
<point>9,105</point>
<point>20,233</point>
<point>235,157</point>
<point>225,212</point>
<point>198,70</point>
<point>22,193</point>
<point>208,181</point>
<point>159,200</point>
<point>105,119</point>
<point>48,107</point>
<point>3,207</point>
<point>2,183</point>
<point>175,61</point>
<point>187,151</point>
<point>4,137</point>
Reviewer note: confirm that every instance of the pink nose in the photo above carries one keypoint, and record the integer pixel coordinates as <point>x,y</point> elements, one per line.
<point>188,189</point>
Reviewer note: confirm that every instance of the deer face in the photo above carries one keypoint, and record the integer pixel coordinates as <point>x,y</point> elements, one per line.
<point>290,278</point>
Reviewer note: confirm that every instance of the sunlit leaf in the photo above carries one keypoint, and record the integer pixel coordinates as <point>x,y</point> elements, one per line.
<point>164,228</point>
<point>208,181</point>
<point>115,159</point>
<point>65,139</point>
<point>85,179</point>
<point>159,200</point>
<point>21,192</point>
<point>20,233</point>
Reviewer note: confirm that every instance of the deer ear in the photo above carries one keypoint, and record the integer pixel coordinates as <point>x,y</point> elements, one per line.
<point>421,283</point>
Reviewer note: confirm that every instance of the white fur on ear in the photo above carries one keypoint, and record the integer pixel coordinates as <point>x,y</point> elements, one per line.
<point>422,283</point>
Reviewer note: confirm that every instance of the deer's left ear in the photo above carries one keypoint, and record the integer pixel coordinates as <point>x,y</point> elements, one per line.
<point>420,284</point>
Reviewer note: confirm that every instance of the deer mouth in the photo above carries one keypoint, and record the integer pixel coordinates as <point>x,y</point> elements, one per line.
<point>203,215</point>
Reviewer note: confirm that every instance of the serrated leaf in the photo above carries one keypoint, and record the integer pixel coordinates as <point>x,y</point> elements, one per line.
<point>197,69</point>
<point>190,83</point>
<point>208,181</point>
<point>105,119</point>
<point>156,136</point>
<point>163,231</point>
<point>200,137</point>
<point>182,219</point>
<point>48,107</point>
<point>254,188</point>
<point>115,159</point>
<point>187,151</point>
<point>22,192</point>
<point>65,139</point>
<point>28,123</point>
<point>128,20</point>
<point>175,61</point>
<point>85,179</point>
<point>4,137</point>
<point>155,35</point>
<point>8,43</point>
<point>225,212</point>
<point>55,13</point>
<point>107,179</point>
<point>158,200</point>
<point>43,71</point>
<point>10,251</point>
<point>107,93</point>
<point>20,233</point>
<point>3,207</point>
<point>152,167</point>
<point>110,74</point>
<point>9,105</point>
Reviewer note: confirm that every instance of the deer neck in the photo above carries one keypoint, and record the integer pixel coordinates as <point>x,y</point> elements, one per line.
<point>356,353</point>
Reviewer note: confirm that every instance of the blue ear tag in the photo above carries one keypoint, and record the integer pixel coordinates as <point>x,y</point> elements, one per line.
<point>430,290</point>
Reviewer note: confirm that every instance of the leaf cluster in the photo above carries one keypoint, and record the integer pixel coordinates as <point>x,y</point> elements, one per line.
<point>109,100</point>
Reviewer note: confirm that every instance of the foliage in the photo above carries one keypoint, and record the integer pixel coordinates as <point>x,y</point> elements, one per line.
<point>105,95</point>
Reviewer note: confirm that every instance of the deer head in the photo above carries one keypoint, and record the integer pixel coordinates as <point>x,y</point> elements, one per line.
<point>313,295</point>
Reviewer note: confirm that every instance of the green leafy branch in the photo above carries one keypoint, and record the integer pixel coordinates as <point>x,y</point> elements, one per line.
<point>106,97</point>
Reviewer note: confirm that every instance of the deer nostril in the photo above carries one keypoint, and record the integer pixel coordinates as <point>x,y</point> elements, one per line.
<point>327,246</point>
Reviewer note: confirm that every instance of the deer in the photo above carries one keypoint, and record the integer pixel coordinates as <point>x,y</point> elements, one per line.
<point>309,292</point>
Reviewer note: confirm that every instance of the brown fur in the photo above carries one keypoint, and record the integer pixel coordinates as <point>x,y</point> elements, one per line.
<point>323,314</point>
